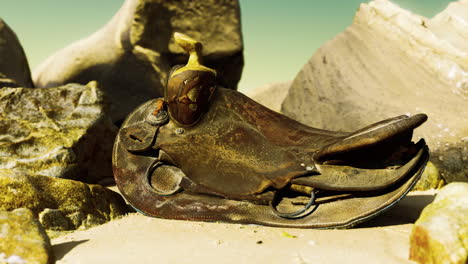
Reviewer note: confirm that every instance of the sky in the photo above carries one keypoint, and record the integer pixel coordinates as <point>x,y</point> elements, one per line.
<point>279,36</point>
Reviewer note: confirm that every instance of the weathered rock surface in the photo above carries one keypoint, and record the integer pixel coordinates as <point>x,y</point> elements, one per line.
<point>59,132</point>
<point>430,179</point>
<point>14,67</point>
<point>23,239</point>
<point>440,235</point>
<point>450,24</point>
<point>60,204</point>
<point>387,63</point>
<point>270,95</point>
<point>132,55</point>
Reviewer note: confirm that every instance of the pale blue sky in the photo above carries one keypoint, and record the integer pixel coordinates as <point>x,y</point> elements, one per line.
<point>279,36</point>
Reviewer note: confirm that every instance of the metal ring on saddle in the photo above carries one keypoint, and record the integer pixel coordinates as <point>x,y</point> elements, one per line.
<point>298,214</point>
<point>164,179</point>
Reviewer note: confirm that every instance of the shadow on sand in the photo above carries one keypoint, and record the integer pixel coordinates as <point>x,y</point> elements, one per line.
<point>60,250</point>
<point>406,211</point>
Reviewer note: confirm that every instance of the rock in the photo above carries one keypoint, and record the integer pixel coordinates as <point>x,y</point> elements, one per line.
<point>440,235</point>
<point>430,179</point>
<point>60,204</point>
<point>59,132</point>
<point>132,55</point>
<point>450,24</point>
<point>270,95</point>
<point>387,63</point>
<point>14,67</point>
<point>23,239</point>
<point>54,219</point>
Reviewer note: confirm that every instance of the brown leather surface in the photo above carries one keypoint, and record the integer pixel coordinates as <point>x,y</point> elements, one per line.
<point>240,148</point>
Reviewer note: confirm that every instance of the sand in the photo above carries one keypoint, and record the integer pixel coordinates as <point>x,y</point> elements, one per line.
<point>139,239</point>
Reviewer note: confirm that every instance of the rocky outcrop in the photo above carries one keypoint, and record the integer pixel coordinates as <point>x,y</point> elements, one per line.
<point>22,239</point>
<point>270,95</point>
<point>387,63</point>
<point>60,204</point>
<point>14,67</point>
<point>450,25</point>
<point>440,235</point>
<point>59,132</point>
<point>132,55</point>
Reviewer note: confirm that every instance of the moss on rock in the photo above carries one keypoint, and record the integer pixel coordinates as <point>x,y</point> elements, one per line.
<point>60,204</point>
<point>430,179</point>
<point>22,239</point>
<point>440,235</point>
<point>60,132</point>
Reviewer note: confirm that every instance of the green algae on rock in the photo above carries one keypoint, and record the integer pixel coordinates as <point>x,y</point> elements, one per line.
<point>23,239</point>
<point>14,68</point>
<point>60,132</point>
<point>430,179</point>
<point>60,204</point>
<point>440,235</point>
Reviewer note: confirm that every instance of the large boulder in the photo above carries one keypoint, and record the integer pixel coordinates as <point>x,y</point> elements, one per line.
<point>59,204</point>
<point>270,95</point>
<point>440,235</point>
<point>14,67</point>
<point>59,132</point>
<point>23,239</point>
<point>132,55</point>
<point>391,62</point>
<point>450,24</point>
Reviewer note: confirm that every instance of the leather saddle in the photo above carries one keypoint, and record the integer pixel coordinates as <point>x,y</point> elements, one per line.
<point>207,153</point>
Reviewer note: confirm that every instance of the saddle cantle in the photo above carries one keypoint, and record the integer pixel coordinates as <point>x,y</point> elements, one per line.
<point>213,154</point>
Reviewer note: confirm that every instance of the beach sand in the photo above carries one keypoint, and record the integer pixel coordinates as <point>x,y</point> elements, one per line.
<point>136,238</point>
